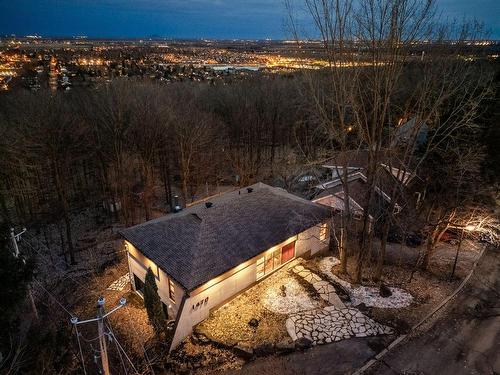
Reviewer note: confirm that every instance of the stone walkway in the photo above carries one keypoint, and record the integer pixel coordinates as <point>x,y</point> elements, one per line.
<point>324,288</point>
<point>331,324</point>
<point>119,283</point>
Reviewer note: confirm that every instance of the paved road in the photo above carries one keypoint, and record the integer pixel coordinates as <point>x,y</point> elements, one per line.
<point>342,357</point>
<point>465,337</point>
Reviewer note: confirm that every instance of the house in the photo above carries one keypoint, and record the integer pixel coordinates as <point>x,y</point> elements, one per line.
<point>390,176</point>
<point>207,254</point>
<point>413,130</point>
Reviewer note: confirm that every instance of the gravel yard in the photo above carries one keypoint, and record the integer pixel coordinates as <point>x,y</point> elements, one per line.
<point>265,303</point>
<point>369,296</point>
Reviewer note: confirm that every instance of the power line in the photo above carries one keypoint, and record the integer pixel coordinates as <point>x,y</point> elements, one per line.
<point>146,357</point>
<point>80,349</point>
<point>121,347</point>
<point>78,335</point>
<point>59,260</point>
<point>54,298</point>
<point>118,350</point>
<point>63,271</point>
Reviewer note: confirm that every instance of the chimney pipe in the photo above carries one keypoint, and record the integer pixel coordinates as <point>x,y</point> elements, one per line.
<point>208,204</point>
<point>249,190</point>
<point>177,206</point>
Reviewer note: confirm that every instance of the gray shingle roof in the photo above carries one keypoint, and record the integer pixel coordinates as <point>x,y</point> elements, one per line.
<point>199,243</point>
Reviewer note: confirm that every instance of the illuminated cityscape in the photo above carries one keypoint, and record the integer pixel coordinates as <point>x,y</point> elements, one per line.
<point>34,62</point>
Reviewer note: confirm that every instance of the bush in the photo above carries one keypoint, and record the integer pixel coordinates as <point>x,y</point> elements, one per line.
<point>153,303</point>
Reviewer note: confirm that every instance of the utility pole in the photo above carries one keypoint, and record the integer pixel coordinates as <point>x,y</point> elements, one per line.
<point>15,239</point>
<point>102,339</point>
<point>101,315</point>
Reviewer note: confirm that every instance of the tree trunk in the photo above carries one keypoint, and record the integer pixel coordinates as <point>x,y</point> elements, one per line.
<point>383,245</point>
<point>364,240</point>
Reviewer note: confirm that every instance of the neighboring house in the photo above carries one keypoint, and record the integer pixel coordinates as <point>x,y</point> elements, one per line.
<point>331,193</point>
<point>205,255</point>
<point>411,131</point>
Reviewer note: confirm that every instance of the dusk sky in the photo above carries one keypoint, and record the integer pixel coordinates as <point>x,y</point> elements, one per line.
<point>222,19</point>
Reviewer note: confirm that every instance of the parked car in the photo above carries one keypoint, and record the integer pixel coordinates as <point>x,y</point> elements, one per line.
<point>412,239</point>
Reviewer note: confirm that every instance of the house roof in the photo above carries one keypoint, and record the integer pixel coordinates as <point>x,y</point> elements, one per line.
<point>358,189</point>
<point>199,243</point>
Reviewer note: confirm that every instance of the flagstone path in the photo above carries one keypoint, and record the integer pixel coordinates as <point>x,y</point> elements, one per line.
<point>324,288</point>
<point>331,324</point>
<point>119,283</point>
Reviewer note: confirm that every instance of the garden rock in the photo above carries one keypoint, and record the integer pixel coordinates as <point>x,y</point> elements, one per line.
<point>264,349</point>
<point>244,350</point>
<point>285,347</point>
<point>303,343</point>
<point>385,291</point>
<point>253,323</point>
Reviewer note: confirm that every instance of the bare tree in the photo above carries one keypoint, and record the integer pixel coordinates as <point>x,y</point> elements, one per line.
<point>376,77</point>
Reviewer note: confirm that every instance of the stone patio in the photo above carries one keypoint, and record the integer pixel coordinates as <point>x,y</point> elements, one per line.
<point>332,324</point>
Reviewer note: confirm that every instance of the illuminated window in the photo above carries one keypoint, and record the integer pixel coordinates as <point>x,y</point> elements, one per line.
<point>277,258</point>
<point>269,263</point>
<point>138,284</point>
<point>171,290</point>
<point>323,232</point>
<point>260,267</point>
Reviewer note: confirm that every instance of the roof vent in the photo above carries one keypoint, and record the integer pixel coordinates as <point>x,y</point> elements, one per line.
<point>249,190</point>
<point>208,204</point>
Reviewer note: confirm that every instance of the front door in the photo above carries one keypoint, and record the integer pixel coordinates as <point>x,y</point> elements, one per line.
<point>287,252</point>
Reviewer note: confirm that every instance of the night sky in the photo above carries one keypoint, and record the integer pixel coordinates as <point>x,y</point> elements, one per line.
<point>220,19</point>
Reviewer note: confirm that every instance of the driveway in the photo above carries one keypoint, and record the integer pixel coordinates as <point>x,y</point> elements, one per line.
<point>465,338</point>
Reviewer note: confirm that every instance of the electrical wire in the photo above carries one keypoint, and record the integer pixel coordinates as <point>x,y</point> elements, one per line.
<point>119,345</point>
<point>142,344</point>
<point>78,335</point>
<point>54,298</point>
<point>90,340</point>
<point>65,272</point>
<point>80,349</point>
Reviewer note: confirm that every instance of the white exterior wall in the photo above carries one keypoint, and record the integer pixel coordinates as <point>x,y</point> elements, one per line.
<point>310,240</point>
<point>197,307</point>
<point>138,264</point>
<point>211,295</point>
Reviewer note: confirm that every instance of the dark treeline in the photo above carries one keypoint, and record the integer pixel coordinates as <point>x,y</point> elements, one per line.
<point>126,149</point>
<point>114,147</point>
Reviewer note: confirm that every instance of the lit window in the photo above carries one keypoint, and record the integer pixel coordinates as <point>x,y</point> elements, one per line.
<point>269,263</point>
<point>260,267</point>
<point>277,258</point>
<point>323,232</point>
<point>171,290</point>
